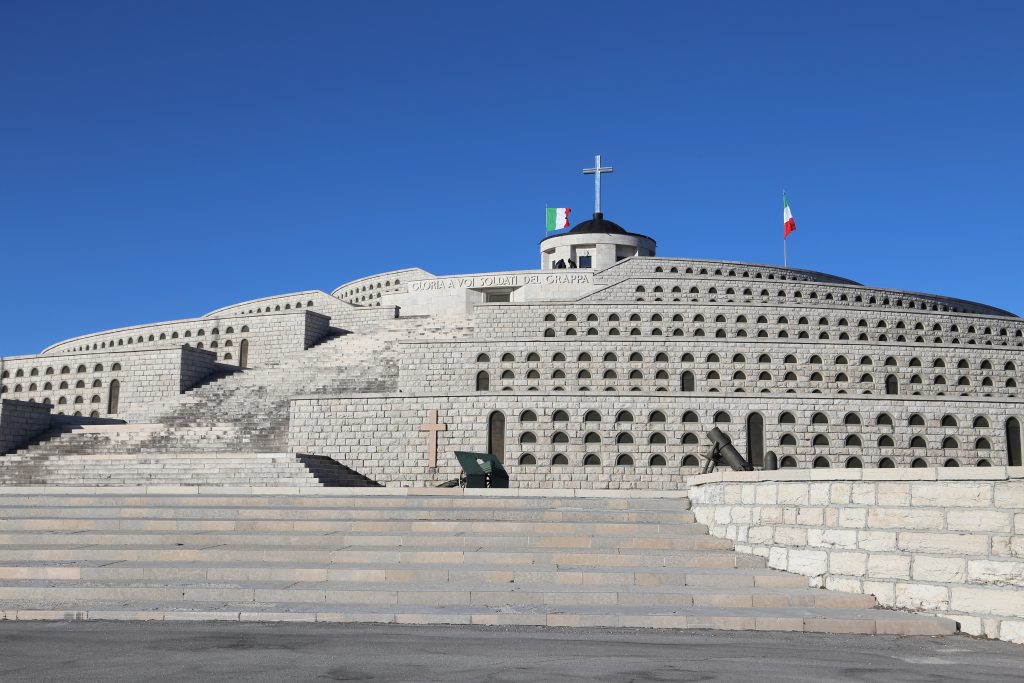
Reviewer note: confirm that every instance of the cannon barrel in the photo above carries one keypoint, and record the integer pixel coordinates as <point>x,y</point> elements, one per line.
<point>727,452</point>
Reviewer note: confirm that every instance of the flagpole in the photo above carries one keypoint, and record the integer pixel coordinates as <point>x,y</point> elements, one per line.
<point>785,258</point>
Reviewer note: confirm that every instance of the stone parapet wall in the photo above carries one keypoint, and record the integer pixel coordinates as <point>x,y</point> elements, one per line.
<point>696,287</point>
<point>745,319</point>
<point>343,315</point>
<point>81,382</point>
<point>366,291</point>
<point>368,431</point>
<point>21,421</point>
<point>751,365</point>
<point>379,436</point>
<point>661,265</point>
<point>944,541</point>
<point>269,336</point>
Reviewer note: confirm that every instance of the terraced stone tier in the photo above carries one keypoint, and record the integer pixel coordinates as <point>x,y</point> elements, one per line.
<point>244,411</point>
<point>566,558</point>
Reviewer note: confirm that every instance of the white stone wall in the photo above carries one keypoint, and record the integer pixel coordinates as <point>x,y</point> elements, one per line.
<point>20,422</point>
<point>459,294</point>
<point>270,336</point>
<point>80,382</point>
<point>344,315</point>
<point>749,365</point>
<point>944,541</point>
<point>368,432</point>
<point>668,267</point>
<point>379,436</point>
<point>746,319</point>
<point>696,287</point>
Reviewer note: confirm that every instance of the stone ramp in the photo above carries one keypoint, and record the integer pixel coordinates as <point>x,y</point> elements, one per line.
<point>401,556</point>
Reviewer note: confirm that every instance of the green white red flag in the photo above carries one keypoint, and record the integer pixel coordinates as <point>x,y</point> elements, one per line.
<point>788,224</point>
<point>558,219</point>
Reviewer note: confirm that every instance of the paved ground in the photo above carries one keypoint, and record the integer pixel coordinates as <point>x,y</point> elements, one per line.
<point>276,652</point>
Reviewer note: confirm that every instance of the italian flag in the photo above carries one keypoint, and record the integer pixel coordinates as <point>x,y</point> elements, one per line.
<point>788,224</point>
<point>558,219</point>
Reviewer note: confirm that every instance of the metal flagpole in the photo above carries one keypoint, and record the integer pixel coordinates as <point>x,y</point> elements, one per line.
<point>785,259</point>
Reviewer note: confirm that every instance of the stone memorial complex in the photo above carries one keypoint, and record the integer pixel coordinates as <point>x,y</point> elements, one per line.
<point>895,416</point>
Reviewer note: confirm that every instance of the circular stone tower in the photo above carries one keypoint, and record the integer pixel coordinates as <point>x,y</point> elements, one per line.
<point>596,243</point>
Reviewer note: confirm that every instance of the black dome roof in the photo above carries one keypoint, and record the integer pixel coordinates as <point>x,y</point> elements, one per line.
<point>598,224</point>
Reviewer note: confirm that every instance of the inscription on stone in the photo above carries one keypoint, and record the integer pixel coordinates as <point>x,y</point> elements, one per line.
<point>500,281</point>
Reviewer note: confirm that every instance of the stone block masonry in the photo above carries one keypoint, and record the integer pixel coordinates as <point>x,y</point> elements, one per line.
<point>107,384</point>
<point>803,428</point>
<point>943,541</point>
<point>266,337</point>
<point>379,436</point>
<point>20,422</point>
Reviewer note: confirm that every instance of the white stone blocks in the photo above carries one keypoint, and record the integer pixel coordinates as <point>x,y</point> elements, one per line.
<point>916,539</point>
<point>939,569</point>
<point>1005,602</point>
<point>807,562</point>
<point>996,573</point>
<point>885,566</point>
<point>922,597</point>
<point>951,494</point>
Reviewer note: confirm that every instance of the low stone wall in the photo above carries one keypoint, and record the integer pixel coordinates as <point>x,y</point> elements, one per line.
<point>83,382</point>
<point>380,436</point>
<point>20,421</point>
<point>269,336</point>
<point>946,541</point>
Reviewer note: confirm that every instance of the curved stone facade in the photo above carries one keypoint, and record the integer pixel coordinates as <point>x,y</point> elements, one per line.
<point>822,370</point>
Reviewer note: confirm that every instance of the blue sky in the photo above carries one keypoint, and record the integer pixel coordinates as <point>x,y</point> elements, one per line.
<point>162,159</point>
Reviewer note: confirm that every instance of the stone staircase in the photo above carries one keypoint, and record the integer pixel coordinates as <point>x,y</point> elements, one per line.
<point>243,412</point>
<point>402,556</point>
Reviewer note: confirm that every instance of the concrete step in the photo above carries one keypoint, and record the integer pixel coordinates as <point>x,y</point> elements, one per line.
<point>599,559</point>
<point>809,620</point>
<point>384,555</point>
<point>424,593</point>
<point>334,540</point>
<point>98,570</point>
<point>553,500</point>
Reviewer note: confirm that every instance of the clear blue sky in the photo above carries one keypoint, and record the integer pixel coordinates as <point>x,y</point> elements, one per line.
<point>162,159</point>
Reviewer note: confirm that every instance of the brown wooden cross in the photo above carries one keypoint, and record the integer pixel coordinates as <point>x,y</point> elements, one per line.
<point>432,427</point>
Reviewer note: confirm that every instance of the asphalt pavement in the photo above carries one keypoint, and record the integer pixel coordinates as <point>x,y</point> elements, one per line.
<point>153,651</point>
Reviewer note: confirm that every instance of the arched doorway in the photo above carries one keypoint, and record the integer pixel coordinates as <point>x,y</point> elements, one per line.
<point>1013,458</point>
<point>892,385</point>
<point>113,397</point>
<point>243,354</point>
<point>686,382</point>
<point>755,439</point>
<point>496,435</point>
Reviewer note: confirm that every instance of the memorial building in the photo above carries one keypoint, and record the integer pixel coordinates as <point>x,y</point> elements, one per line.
<point>603,368</point>
<point>290,457</point>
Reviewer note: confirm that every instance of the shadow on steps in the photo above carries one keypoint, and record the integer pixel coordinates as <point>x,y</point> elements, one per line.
<point>330,472</point>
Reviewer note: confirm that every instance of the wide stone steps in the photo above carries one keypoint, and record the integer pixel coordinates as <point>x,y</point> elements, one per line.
<point>240,411</point>
<point>96,570</point>
<point>809,620</point>
<point>469,594</point>
<point>385,555</point>
<point>173,469</point>
<point>319,539</point>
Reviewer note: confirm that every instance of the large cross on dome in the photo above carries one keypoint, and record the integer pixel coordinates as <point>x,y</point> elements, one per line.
<point>596,172</point>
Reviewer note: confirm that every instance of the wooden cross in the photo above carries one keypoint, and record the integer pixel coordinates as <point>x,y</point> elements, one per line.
<point>432,427</point>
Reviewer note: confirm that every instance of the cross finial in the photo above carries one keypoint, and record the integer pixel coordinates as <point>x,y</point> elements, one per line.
<point>596,172</point>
